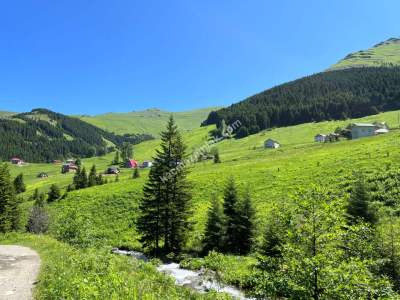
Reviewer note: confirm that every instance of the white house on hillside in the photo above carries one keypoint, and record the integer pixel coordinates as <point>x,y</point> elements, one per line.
<point>359,130</point>
<point>320,138</point>
<point>270,143</point>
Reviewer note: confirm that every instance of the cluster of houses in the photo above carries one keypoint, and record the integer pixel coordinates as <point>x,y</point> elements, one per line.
<point>69,166</point>
<point>130,164</point>
<point>355,131</point>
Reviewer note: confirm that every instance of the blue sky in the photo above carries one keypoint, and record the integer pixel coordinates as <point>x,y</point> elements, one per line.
<point>98,56</point>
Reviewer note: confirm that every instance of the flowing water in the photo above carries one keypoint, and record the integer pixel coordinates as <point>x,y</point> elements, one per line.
<point>197,280</point>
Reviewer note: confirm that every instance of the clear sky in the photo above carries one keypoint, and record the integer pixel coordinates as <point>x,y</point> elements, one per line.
<point>81,56</point>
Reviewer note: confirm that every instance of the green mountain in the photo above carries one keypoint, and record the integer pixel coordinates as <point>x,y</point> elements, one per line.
<point>150,121</point>
<point>341,94</point>
<point>383,54</point>
<point>42,135</point>
<point>4,114</point>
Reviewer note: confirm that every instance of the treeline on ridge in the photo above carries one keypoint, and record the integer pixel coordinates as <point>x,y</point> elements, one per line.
<point>56,136</point>
<point>334,95</point>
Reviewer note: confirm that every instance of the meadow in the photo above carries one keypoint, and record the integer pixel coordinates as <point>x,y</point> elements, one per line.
<point>104,217</point>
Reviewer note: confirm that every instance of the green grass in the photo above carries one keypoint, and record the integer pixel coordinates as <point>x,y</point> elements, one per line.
<point>383,54</point>
<point>103,217</point>
<point>108,212</point>
<point>70,273</point>
<point>4,114</point>
<point>150,121</point>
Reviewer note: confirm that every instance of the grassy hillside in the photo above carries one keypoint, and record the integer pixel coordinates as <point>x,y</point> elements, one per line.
<point>6,114</point>
<point>150,121</point>
<point>104,216</point>
<point>271,175</point>
<point>383,54</point>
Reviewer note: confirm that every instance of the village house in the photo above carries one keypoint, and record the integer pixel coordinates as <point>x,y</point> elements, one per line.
<point>270,143</point>
<point>17,161</point>
<point>320,138</point>
<point>131,163</point>
<point>359,130</point>
<point>112,171</point>
<point>66,168</point>
<point>147,164</point>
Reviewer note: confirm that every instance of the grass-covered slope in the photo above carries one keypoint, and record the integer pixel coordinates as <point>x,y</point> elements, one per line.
<point>4,114</point>
<point>336,95</point>
<point>71,273</point>
<point>42,135</point>
<point>150,121</point>
<point>383,54</point>
<point>106,214</point>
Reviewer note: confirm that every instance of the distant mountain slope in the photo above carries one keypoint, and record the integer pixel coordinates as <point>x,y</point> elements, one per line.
<point>6,114</point>
<point>42,135</point>
<point>383,54</point>
<point>150,121</point>
<point>341,94</point>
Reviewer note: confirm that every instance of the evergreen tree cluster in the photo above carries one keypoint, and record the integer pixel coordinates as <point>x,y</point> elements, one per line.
<point>334,95</point>
<point>44,136</point>
<point>82,180</point>
<point>9,203</point>
<point>164,209</point>
<point>229,227</point>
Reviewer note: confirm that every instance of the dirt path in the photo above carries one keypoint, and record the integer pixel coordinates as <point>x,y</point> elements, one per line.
<point>19,268</point>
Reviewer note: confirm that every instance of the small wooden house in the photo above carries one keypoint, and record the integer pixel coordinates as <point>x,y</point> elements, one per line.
<point>320,138</point>
<point>147,164</point>
<point>16,161</point>
<point>270,143</point>
<point>112,171</point>
<point>131,163</point>
<point>66,168</point>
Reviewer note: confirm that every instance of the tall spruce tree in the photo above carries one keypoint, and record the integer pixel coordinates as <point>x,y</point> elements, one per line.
<point>19,184</point>
<point>245,215</point>
<point>165,205</point>
<point>230,211</point>
<point>215,231</point>
<point>358,205</point>
<point>9,213</point>
<point>92,179</point>
<point>54,193</point>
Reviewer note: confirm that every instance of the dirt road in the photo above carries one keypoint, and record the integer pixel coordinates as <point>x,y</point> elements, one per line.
<point>19,268</point>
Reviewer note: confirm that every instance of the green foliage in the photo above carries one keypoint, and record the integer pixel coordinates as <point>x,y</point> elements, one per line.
<point>9,213</point>
<point>232,237</point>
<point>69,273</point>
<point>54,193</point>
<point>215,231</point>
<point>43,136</point>
<point>136,173</point>
<point>358,205</point>
<point>332,95</point>
<point>19,184</point>
<point>165,205</point>
<point>245,215</point>
<point>116,160</point>
<point>126,151</point>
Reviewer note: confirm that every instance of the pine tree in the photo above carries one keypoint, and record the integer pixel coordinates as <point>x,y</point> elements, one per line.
<point>100,180</point>
<point>136,173</point>
<point>358,205</point>
<point>83,179</point>
<point>214,233</point>
<point>19,184</point>
<point>230,206</point>
<point>54,193</point>
<point>77,179</point>
<point>92,180</point>
<point>244,221</point>
<point>165,205</point>
<point>9,213</point>
<point>116,160</point>
<point>126,151</point>
<point>217,159</point>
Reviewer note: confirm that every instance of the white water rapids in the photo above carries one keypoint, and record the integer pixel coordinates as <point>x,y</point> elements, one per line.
<point>196,280</point>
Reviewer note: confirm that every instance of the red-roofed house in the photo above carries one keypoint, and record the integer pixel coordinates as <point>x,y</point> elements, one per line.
<point>16,161</point>
<point>131,163</point>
